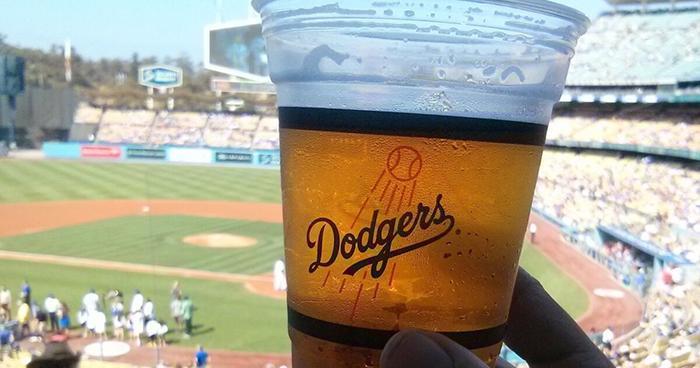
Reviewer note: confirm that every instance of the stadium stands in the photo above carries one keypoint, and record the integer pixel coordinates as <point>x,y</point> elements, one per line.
<point>86,114</point>
<point>267,136</point>
<point>633,48</point>
<point>653,127</point>
<point>229,131</point>
<point>656,202</point>
<point>126,126</point>
<point>184,129</point>
<point>180,128</point>
<point>669,333</point>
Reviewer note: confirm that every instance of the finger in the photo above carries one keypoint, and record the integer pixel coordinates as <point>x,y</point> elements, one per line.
<point>460,355</point>
<point>418,349</point>
<point>543,334</point>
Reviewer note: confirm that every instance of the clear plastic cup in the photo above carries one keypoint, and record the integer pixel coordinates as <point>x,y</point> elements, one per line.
<point>411,136</point>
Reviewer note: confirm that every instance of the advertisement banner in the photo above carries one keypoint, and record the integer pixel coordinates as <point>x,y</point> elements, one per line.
<point>234,157</point>
<point>145,153</point>
<point>269,158</point>
<point>190,155</point>
<point>111,152</point>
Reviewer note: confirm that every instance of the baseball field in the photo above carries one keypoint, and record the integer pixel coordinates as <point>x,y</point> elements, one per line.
<point>67,227</point>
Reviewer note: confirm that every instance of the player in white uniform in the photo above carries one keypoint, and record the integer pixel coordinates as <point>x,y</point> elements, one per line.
<point>279,277</point>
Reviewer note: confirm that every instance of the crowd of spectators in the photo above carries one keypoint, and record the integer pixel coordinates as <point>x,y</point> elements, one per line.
<point>669,333</point>
<point>126,126</point>
<point>191,129</point>
<point>179,129</point>
<point>225,130</point>
<point>633,48</point>
<point>268,136</point>
<point>86,114</point>
<point>653,127</point>
<point>97,315</point>
<point>656,202</point>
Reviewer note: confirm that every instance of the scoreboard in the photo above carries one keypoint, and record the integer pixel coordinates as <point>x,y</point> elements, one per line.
<point>11,74</point>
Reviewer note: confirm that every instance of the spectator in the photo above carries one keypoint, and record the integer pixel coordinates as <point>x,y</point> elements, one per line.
<point>91,301</point>
<point>6,302</point>
<point>175,292</point>
<point>117,312</point>
<point>136,325</point>
<point>176,311</point>
<point>152,330</point>
<point>533,232</point>
<point>161,333</point>
<point>136,301</point>
<point>64,322</point>
<point>26,292</point>
<point>38,325</point>
<point>24,316</point>
<point>82,318</point>
<point>51,306</point>
<point>608,337</point>
<point>7,339</point>
<point>676,275</point>
<point>187,309</point>
<point>148,310</point>
<point>201,357</point>
<point>100,324</point>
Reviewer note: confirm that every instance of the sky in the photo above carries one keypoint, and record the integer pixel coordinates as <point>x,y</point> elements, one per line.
<point>111,28</point>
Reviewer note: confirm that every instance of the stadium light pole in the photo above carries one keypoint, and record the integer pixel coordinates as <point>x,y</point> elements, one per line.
<point>67,54</point>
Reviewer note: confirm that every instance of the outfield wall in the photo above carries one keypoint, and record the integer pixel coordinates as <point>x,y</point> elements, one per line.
<point>135,153</point>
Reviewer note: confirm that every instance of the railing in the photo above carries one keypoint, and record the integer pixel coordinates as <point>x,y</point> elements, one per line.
<point>684,154</point>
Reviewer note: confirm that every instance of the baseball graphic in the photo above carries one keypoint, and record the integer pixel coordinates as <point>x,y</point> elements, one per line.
<point>404,163</point>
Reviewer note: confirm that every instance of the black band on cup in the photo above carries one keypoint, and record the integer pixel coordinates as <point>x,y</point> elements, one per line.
<point>376,339</point>
<point>412,125</point>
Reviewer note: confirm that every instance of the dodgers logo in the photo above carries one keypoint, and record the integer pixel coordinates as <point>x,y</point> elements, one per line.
<point>385,236</point>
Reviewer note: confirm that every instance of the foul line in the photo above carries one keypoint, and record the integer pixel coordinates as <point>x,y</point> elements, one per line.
<point>130,267</point>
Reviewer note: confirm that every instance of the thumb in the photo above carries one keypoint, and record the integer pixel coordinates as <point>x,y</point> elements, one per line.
<point>419,349</point>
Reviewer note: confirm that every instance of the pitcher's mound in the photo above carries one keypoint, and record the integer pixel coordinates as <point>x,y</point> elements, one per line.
<point>220,241</point>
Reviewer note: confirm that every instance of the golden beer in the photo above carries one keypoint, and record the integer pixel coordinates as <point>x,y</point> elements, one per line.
<point>389,228</point>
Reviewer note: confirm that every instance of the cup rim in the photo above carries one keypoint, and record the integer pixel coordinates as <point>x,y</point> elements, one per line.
<point>545,7</point>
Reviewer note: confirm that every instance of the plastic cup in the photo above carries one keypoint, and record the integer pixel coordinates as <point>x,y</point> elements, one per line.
<point>411,137</point>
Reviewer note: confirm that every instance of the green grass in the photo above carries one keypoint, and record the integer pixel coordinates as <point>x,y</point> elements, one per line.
<point>569,294</point>
<point>231,317</point>
<point>228,316</point>
<point>32,181</point>
<point>158,240</point>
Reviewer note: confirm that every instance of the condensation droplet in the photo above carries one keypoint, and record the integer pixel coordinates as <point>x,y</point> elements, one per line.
<point>489,71</point>
<point>409,13</point>
<point>441,74</point>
